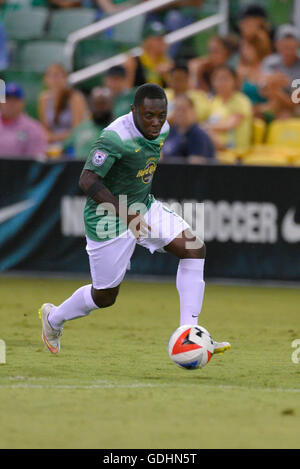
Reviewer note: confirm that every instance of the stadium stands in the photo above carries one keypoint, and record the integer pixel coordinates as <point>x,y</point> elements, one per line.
<point>90,51</point>
<point>26,24</point>
<point>31,83</point>
<point>36,56</point>
<point>64,22</point>
<point>130,32</point>
<point>37,35</point>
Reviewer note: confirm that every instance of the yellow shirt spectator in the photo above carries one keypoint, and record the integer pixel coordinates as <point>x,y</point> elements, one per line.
<point>179,85</point>
<point>153,65</point>
<point>220,111</point>
<point>154,68</point>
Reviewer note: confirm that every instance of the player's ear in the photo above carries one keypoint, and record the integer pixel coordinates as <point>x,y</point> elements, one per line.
<point>132,108</point>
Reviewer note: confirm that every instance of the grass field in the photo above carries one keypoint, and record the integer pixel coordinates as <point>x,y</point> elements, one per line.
<point>114,386</point>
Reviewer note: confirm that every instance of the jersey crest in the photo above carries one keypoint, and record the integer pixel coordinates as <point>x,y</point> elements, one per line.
<point>99,157</point>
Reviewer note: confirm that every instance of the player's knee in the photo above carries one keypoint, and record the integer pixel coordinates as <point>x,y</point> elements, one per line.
<point>104,299</point>
<point>108,301</point>
<point>196,253</point>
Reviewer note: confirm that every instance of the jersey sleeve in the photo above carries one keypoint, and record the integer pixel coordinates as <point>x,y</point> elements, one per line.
<point>104,153</point>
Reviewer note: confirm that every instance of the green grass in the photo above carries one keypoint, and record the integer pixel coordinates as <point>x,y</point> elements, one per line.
<point>114,386</point>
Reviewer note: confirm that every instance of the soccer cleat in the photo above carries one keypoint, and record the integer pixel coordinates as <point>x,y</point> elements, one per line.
<point>221,347</point>
<point>50,336</point>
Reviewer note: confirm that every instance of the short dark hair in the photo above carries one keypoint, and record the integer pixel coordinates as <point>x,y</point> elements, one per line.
<point>116,71</point>
<point>180,66</point>
<point>150,91</point>
<point>252,11</point>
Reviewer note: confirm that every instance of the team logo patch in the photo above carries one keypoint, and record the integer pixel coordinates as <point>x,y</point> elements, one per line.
<point>147,173</point>
<point>99,158</point>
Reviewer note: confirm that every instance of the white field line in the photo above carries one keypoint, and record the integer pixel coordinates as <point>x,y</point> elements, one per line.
<point>107,385</point>
<point>70,386</point>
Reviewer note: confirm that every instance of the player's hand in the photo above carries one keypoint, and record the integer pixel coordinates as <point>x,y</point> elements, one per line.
<point>138,226</point>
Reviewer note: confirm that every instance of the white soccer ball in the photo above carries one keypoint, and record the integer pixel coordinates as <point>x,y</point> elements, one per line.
<point>191,347</point>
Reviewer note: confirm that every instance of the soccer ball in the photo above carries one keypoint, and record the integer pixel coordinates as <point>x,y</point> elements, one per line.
<point>191,347</point>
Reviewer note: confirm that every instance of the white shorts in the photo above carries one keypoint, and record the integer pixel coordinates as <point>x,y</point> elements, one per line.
<point>109,259</point>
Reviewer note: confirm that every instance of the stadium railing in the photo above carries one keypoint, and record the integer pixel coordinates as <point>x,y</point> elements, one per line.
<point>220,19</point>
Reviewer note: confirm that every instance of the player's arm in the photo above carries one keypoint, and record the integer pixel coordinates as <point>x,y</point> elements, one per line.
<point>92,185</point>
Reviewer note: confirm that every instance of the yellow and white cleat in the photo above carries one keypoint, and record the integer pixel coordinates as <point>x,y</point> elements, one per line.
<point>221,347</point>
<point>50,336</point>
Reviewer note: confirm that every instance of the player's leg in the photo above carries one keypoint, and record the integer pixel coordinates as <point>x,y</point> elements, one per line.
<point>108,263</point>
<point>189,280</point>
<point>105,297</point>
<point>80,304</point>
<point>172,234</point>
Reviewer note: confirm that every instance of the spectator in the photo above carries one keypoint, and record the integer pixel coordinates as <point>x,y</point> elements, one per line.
<point>179,84</point>
<point>79,143</point>
<point>116,82</point>
<point>278,103</point>
<point>220,50</point>
<point>250,70</point>
<point>176,16</point>
<point>186,139</point>
<point>230,119</point>
<point>282,68</point>
<point>21,136</point>
<point>153,65</point>
<point>287,58</point>
<point>253,22</point>
<point>60,108</point>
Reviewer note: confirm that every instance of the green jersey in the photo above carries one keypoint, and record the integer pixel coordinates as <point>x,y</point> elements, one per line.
<point>126,161</point>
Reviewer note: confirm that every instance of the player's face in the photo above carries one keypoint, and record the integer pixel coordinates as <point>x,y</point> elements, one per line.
<point>150,116</point>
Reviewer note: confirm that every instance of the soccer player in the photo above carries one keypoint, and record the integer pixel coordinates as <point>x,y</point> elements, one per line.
<point>120,212</point>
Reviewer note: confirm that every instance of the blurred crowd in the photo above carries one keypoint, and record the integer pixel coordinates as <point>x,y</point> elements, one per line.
<point>213,100</point>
